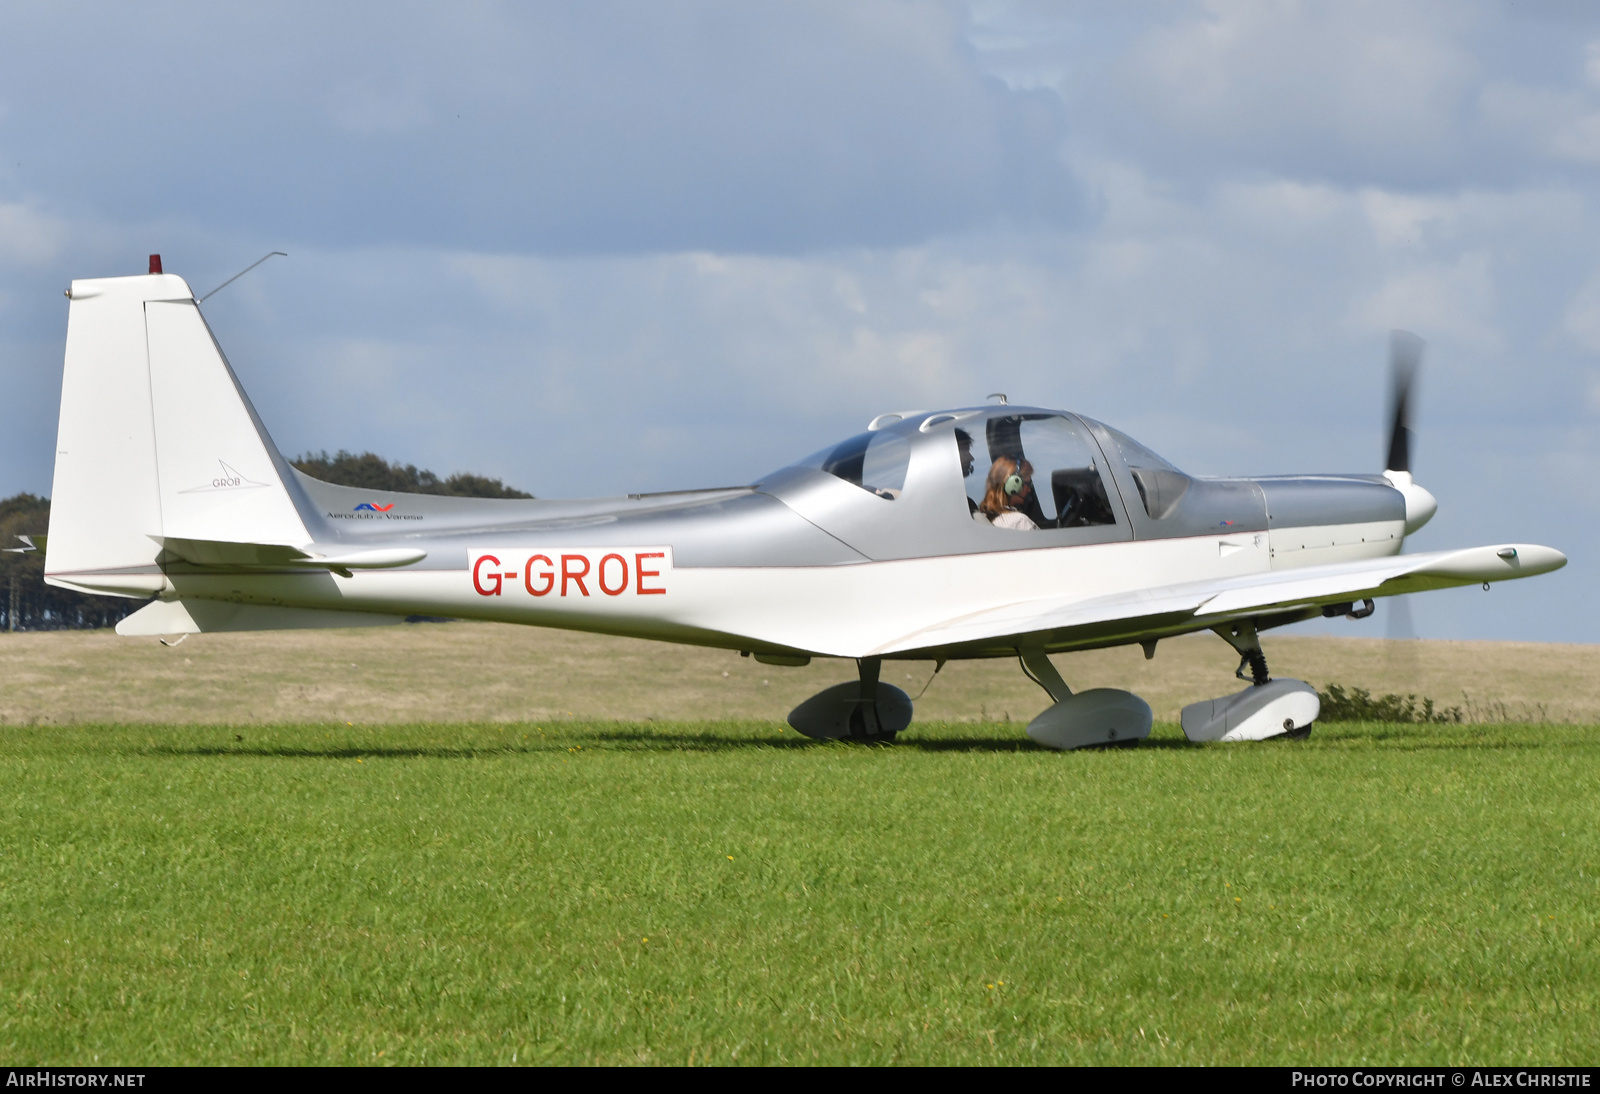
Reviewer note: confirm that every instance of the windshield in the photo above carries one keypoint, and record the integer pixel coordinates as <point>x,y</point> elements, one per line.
<point>1135,454</point>
<point>1161,485</point>
<point>874,461</point>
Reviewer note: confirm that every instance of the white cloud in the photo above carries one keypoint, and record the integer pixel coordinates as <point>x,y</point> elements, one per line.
<point>359,108</point>
<point>29,236</point>
<point>1310,89</point>
<point>1591,66</point>
<point>816,227</point>
<point>1579,139</point>
<point>1400,220</point>
<point>1283,206</point>
<point>1454,300</point>
<point>572,129</point>
<point>1582,319</point>
<point>1559,123</point>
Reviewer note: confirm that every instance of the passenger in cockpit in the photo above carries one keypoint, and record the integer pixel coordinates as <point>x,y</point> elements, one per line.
<point>1006,491</point>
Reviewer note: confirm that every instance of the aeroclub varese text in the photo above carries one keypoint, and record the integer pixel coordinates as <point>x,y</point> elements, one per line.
<point>571,571</point>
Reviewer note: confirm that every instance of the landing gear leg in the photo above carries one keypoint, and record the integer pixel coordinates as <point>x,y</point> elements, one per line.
<point>1042,672</point>
<point>1242,637</point>
<point>865,725</point>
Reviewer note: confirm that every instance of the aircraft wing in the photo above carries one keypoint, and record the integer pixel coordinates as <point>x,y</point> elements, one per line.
<point>1235,597</point>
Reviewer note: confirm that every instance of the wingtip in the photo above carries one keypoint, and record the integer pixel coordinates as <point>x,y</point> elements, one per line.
<point>1547,558</point>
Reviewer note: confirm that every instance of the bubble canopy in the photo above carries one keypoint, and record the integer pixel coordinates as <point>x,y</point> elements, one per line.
<point>1060,450</point>
<point>876,461</point>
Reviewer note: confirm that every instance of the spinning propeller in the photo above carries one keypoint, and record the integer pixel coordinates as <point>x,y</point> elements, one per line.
<point>1405,357</point>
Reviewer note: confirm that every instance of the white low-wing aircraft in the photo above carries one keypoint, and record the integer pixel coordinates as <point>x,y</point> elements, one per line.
<point>990,531</point>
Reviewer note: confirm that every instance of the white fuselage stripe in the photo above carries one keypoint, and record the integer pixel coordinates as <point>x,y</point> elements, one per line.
<point>845,611</point>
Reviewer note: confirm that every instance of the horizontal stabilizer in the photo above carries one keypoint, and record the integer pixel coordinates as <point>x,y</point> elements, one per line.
<point>227,554</point>
<point>161,617</point>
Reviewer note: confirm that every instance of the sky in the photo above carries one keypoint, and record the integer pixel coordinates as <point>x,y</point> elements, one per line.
<point>612,247</point>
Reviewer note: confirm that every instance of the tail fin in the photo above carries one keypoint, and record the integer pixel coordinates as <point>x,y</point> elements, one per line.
<point>157,441</point>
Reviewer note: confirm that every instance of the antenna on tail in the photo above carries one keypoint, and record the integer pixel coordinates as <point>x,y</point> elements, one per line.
<point>155,267</point>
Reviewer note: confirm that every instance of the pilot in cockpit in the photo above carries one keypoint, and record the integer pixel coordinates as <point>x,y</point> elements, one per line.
<point>1006,492</point>
<point>964,445</point>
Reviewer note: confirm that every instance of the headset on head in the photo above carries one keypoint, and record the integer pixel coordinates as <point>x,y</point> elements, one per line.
<point>1014,482</point>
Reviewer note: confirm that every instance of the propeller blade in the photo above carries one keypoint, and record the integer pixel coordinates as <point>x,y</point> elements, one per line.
<point>1402,655</point>
<point>1405,356</point>
<point>1399,624</point>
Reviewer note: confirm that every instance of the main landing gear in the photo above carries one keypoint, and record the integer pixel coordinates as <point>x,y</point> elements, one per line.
<point>1267,708</point>
<point>1100,716</point>
<point>868,710</point>
<point>872,711</point>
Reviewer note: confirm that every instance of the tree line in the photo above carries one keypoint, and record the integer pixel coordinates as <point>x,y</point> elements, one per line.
<point>372,472</point>
<point>28,604</point>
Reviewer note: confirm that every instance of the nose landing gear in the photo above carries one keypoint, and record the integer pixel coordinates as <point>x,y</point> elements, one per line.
<point>1267,708</point>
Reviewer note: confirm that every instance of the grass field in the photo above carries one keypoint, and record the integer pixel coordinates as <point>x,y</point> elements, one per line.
<point>483,672</point>
<point>537,890</point>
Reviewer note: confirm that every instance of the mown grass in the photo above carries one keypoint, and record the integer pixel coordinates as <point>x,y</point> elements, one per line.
<point>722,892</point>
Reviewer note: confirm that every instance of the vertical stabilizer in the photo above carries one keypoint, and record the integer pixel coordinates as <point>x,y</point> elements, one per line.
<point>156,441</point>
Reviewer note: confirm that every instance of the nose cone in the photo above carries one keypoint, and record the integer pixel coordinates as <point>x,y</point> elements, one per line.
<point>1420,504</point>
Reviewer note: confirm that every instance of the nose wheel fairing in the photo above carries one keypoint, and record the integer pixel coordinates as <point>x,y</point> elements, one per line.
<point>1272,709</point>
<point>1267,708</point>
